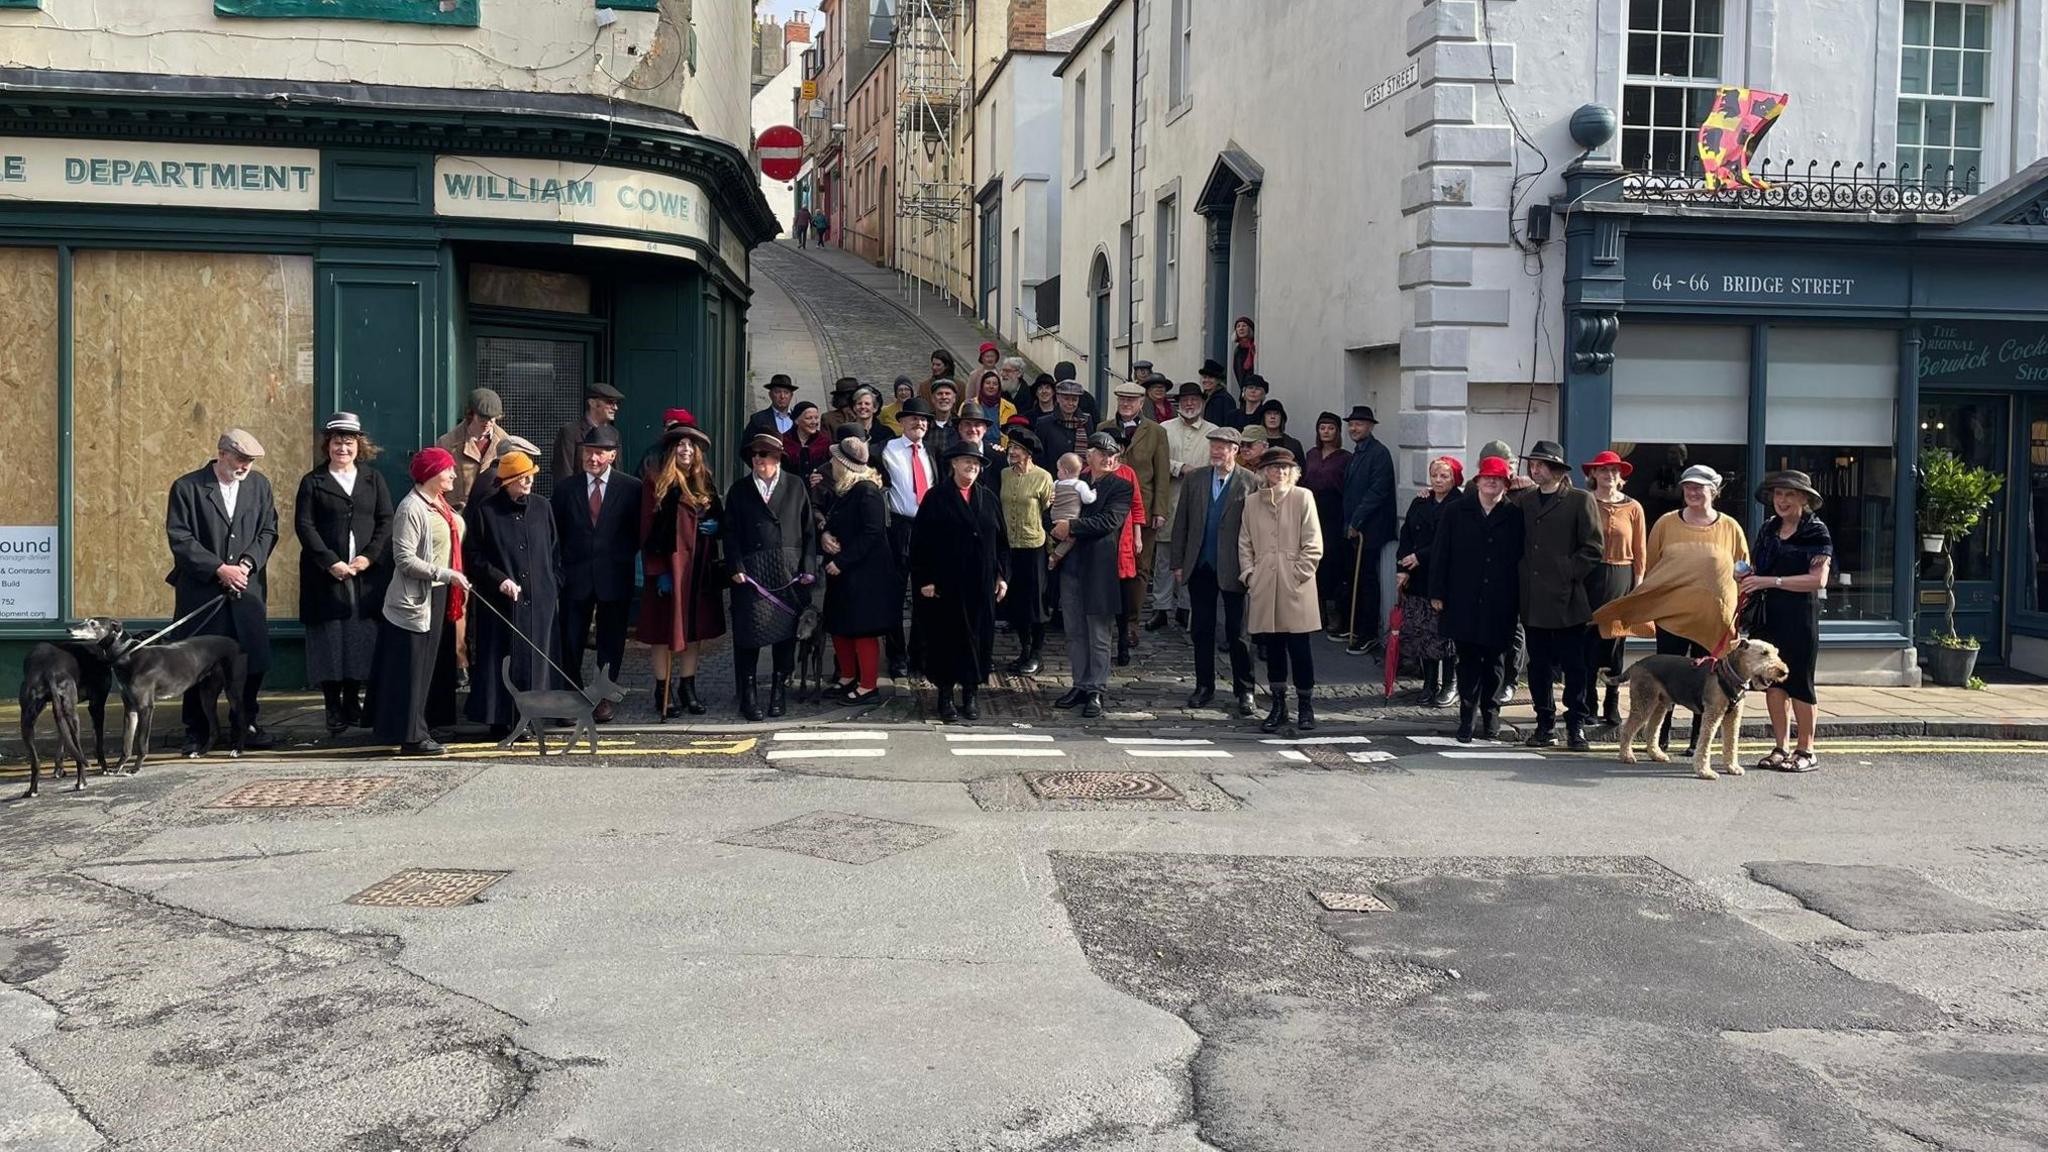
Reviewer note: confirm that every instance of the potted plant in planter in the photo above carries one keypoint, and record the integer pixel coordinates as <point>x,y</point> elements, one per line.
<point>1953,497</point>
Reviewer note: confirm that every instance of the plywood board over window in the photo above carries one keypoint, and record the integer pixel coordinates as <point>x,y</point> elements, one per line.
<point>28,385</point>
<point>459,12</point>
<point>170,348</point>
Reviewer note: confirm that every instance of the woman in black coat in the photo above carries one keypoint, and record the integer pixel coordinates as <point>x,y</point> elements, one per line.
<point>959,569</point>
<point>511,556</point>
<point>343,519</point>
<point>863,590</point>
<point>1422,633</point>
<point>771,550</point>
<point>1475,584</point>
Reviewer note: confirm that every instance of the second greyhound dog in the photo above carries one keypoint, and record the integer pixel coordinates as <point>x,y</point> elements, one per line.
<point>214,663</point>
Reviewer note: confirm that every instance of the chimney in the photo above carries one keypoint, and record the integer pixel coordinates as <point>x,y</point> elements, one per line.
<point>1027,25</point>
<point>798,30</point>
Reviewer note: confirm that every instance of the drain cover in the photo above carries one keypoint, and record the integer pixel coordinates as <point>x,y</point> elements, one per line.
<point>327,792</point>
<point>1351,902</point>
<point>842,836</point>
<point>1100,786</point>
<point>427,888</point>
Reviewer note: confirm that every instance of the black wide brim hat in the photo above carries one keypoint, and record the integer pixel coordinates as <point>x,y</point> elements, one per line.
<point>1547,451</point>
<point>763,442</point>
<point>961,449</point>
<point>1021,436</point>
<point>1789,478</point>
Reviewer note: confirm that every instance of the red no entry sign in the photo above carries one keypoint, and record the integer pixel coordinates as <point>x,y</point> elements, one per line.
<point>782,152</point>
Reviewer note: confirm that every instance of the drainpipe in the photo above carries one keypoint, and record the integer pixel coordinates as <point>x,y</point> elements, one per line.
<point>1131,288</point>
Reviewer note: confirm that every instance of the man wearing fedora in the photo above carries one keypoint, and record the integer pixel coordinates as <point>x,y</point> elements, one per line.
<point>975,425</point>
<point>777,418</point>
<point>600,410</point>
<point>597,520</point>
<point>1561,549</point>
<point>221,520</point>
<point>1370,528</point>
<point>910,469</point>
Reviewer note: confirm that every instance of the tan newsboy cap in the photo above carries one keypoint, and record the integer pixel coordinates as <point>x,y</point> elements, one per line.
<point>239,441</point>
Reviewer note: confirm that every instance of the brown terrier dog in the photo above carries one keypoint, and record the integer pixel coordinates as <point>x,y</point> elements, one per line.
<point>1712,691</point>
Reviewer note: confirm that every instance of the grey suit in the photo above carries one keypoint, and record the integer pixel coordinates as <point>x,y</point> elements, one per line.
<point>1207,582</point>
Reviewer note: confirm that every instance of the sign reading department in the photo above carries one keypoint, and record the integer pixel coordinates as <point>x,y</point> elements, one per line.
<point>161,175</point>
<point>571,193</point>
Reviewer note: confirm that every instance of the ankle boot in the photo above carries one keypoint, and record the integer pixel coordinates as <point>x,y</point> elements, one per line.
<point>1305,709</point>
<point>1610,709</point>
<point>750,708</point>
<point>1030,664</point>
<point>1489,723</point>
<point>331,690</point>
<point>778,694</point>
<point>947,713</point>
<point>968,709</point>
<point>352,703</point>
<point>1447,686</point>
<point>1276,719</point>
<point>1465,723</point>
<point>661,708</point>
<point>1123,649</point>
<point>1429,680</point>
<point>686,690</point>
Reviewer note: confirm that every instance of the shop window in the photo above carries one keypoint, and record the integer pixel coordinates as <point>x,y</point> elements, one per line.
<point>28,389</point>
<point>1681,397</point>
<point>494,286</point>
<point>1944,91</point>
<point>1832,412</point>
<point>1674,65</point>
<point>169,348</point>
<point>541,382</point>
<point>2034,587</point>
<point>457,12</point>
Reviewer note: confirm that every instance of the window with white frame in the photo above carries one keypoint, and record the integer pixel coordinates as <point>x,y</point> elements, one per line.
<point>1177,52</point>
<point>1166,234</point>
<point>1080,124</point>
<point>1944,90</point>
<point>1106,128</point>
<point>1674,60</point>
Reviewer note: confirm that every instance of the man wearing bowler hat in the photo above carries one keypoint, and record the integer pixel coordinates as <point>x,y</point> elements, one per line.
<point>597,519</point>
<point>1207,520</point>
<point>975,425</point>
<point>1562,546</point>
<point>910,469</point>
<point>600,410</point>
<point>222,524</point>
<point>1369,526</point>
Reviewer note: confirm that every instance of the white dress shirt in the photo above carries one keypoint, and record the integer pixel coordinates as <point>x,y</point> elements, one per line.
<point>902,483</point>
<point>228,491</point>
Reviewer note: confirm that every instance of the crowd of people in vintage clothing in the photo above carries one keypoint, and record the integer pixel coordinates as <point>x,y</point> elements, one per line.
<point>1002,506</point>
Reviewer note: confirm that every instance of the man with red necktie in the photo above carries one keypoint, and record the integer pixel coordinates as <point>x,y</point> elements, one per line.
<point>910,466</point>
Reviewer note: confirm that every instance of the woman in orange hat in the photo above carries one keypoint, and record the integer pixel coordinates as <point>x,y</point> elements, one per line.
<point>511,552</point>
<point>1625,529</point>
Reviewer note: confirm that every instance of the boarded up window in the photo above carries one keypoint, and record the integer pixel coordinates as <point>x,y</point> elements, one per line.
<point>28,386</point>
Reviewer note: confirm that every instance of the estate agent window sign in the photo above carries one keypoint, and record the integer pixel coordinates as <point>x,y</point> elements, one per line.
<point>457,12</point>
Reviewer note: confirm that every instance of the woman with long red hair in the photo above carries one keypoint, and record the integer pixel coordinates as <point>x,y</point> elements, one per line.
<point>682,605</point>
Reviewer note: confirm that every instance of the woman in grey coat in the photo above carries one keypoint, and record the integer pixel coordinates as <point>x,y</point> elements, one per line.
<point>771,548</point>
<point>415,650</point>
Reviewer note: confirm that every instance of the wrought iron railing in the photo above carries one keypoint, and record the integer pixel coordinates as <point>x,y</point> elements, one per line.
<point>1814,189</point>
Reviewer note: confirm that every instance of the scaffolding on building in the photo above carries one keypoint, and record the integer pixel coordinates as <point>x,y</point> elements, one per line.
<point>934,109</point>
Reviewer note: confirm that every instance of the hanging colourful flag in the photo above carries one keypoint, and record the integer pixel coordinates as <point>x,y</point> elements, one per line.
<point>1742,117</point>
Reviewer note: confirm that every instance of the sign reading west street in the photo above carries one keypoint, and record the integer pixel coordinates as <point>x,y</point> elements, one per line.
<point>160,175</point>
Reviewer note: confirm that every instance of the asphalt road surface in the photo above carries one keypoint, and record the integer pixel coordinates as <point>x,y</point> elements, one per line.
<point>1019,938</point>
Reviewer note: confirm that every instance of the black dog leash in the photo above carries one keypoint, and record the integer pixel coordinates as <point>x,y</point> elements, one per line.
<point>208,608</point>
<point>479,598</point>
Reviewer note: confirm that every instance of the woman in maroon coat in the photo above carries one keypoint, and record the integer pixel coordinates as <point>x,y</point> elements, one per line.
<point>682,605</point>
<point>1322,473</point>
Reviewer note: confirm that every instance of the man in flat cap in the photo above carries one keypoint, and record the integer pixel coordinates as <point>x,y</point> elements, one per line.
<point>222,524</point>
<point>1208,518</point>
<point>1091,595</point>
<point>597,520</point>
<point>1065,429</point>
<point>475,443</point>
<point>600,410</point>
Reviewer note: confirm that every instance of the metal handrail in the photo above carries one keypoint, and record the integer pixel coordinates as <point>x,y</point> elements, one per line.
<point>1032,329</point>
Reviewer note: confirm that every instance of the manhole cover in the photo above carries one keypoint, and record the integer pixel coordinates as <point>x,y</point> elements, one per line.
<point>328,792</point>
<point>1351,902</point>
<point>427,888</point>
<point>1100,786</point>
<point>842,836</point>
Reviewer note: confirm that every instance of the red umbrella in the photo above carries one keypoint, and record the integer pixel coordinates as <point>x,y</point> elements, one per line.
<point>1393,647</point>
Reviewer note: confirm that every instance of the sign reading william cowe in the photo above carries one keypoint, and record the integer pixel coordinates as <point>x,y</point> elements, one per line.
<point>159,175</point>
<point>571,193</point>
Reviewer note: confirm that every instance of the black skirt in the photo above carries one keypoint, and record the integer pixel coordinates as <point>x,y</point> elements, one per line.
<point>1792,624</point>
<point>405,672</point>
<point>1024,605</point>
<point>1610,582</point>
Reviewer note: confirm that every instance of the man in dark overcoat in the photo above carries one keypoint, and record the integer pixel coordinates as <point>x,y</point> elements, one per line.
<point>222,524</point>
<point>959,571</point>
<point>1562,549</point>
<point>1064,430</point>
<point>510,555</point>
<point>771,548</point>
<point>597,521</point>
<point>1369,526</point>
<point>976,425</point>
<point>1091,595</point>
<point>600,410</point>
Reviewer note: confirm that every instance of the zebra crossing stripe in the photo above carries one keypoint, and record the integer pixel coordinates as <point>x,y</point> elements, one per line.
<point>978,750</point>
<point>1312,740</point>
<point>1291,754</point>
<point>994,738</point>
<point>1370,756</point>
<point>818,753</point>
<point>1126,741</point>
<point>831,735</point>
<point>1453,754</point>
<point>1180,753</point>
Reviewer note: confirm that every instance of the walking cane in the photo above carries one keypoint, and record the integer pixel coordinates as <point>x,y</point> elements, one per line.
<point>1357,574</point>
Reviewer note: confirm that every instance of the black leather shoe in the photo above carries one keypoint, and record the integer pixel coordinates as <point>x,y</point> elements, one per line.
<point>1073,698</point>
<point>1247,705</point>
<point>1575,738</point>
<point>1544,736</point>
<point>1445,696</point>
<point>428,747</point>
<point>1092,707</point>
<point>258,740</point>
<point>1200,697</point>
<point>947,714</point>
<point>750,707</point>
<point>686,688</point>
<point>1489,724</point>
<point>968,709</point>
<point>1464,725</point>
<point>1029,666</point>
<point>1157,621</point>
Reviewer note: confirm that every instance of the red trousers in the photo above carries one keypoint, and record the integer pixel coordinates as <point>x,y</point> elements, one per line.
<point>860,656</point>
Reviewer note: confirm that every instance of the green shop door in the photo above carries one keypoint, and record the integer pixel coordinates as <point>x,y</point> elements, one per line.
<point>540,376</point>
<point>1978,429</point>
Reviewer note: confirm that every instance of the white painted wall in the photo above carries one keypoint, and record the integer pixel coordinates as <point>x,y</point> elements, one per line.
<point>1017,121</point>
<point>775,104</point>
<point>1095,199</point>
<point>716,96</point>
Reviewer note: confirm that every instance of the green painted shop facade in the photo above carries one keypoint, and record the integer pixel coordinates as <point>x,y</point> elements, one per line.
<point>455,239</point>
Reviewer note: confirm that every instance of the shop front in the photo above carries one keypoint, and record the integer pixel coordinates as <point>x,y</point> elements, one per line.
<point>1842,344</point>
<point>175,260</point>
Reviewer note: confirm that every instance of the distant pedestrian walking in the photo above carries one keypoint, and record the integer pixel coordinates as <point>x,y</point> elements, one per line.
<point>820,220</point>
<point>802,226</point>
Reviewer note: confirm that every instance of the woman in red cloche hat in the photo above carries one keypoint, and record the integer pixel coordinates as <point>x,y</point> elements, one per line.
<point>1625,529</point>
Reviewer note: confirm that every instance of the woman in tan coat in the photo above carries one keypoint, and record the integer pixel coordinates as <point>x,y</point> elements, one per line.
<point>1277,551</point>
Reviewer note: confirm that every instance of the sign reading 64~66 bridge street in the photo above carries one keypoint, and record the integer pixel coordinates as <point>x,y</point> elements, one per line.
<point>561,192</point>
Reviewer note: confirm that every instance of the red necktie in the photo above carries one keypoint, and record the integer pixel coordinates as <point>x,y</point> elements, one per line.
<point>596,500</point>
<point>918,482</point>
